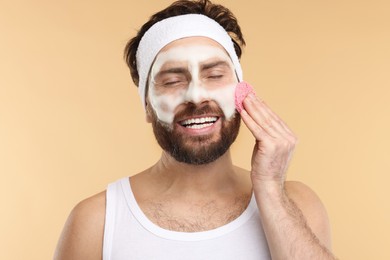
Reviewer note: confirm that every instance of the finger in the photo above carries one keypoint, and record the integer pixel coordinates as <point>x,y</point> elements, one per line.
<point>277,122</point>
<point>278,119</point>
<point>257,110</point>
<point>257,131</point>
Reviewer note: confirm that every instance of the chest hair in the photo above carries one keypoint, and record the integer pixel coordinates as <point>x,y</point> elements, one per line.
<point>194,216</point>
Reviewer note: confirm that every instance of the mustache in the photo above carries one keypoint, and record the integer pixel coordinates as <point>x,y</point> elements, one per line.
<point>192,109</point>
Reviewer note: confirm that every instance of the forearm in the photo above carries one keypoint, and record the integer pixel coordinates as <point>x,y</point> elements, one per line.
<point>288,235</point>
<point>286,229</point>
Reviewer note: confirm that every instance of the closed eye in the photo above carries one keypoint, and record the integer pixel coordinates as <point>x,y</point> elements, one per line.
<point>175,82</point>
<point>215,76</point>
<point>171,83</point>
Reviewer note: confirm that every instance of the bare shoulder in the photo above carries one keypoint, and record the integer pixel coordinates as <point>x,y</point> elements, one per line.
<point>301,193</point>
<point>82,236</point>
<point>313,210</point>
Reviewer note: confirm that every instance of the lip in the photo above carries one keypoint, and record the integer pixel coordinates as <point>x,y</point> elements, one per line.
<point>201,131</point>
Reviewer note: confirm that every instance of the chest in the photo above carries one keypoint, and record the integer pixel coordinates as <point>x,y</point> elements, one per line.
<point>193,216</point>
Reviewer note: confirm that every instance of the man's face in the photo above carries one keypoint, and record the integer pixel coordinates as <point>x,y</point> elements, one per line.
<point>191,100</point>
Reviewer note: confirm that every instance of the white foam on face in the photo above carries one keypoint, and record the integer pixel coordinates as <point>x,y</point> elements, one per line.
<point>165,99</point>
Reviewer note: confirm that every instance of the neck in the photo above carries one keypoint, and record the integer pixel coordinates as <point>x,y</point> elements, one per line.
<point>216,177</point>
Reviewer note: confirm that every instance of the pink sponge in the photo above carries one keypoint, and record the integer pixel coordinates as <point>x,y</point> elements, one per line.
<point>243,89</point>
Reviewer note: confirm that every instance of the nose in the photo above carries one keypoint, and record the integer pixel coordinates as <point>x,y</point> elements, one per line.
<point>196,93</point>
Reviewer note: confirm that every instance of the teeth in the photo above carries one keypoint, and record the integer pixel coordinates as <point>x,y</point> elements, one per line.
<point>199,126</point>
<point>202,120</point>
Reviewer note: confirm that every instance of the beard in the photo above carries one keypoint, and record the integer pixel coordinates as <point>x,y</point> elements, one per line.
<point>196,150</point>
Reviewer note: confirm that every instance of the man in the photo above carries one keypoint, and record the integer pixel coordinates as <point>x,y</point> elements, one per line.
<point>194,203</point>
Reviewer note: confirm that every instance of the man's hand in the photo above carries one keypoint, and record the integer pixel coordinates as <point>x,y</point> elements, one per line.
<point>275,143</point>
<point>294,220</point>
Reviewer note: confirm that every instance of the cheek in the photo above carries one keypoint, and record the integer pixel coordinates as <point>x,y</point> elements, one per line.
<point>224,97</point>
<point>165,105</point>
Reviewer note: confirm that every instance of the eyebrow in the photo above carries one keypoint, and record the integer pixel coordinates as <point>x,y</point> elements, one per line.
<point>214,64</point>
<point>183,70</point>
<point>175,70</point>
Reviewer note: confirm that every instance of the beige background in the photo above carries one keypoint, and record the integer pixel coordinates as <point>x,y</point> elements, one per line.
<point>71,121</point>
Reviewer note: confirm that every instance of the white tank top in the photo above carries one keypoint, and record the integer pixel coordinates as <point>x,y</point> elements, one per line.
<point>129,234</point>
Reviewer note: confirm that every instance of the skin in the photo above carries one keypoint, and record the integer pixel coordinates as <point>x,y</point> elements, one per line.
<point>190,73</point>
<point>293,218</point>
<point>305,232</point>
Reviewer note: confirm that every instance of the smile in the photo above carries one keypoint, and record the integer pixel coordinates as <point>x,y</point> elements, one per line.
<point>199,123</point>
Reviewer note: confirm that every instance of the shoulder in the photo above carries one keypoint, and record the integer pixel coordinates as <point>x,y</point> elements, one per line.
<point>302,193</point>
<point>82,236</point>
<point>312,208</point>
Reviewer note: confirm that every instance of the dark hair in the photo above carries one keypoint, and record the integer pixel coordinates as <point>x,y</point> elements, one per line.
<point>219,13</point>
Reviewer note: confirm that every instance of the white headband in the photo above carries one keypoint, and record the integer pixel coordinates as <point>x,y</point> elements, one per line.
<point>174,28</point>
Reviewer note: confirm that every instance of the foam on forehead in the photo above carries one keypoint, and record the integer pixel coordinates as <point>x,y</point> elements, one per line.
<point>174,28</point>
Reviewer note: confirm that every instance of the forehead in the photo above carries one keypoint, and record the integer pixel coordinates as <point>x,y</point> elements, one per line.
<point>192,48</point>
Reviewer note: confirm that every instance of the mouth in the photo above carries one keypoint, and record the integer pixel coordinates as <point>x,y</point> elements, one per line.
<point>199,122</point>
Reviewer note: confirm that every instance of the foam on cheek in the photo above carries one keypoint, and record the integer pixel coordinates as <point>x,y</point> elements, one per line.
<point>165,104</point>
<point>225,99</point>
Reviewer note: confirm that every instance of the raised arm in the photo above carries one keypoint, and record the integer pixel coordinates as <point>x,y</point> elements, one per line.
<point>294,220</point>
